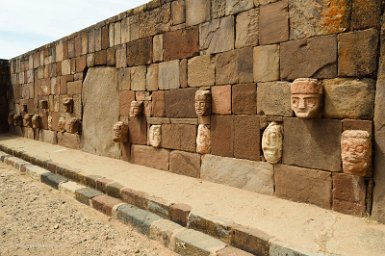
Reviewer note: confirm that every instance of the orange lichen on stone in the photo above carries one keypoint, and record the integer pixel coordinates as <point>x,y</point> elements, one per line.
<point>335,17</point>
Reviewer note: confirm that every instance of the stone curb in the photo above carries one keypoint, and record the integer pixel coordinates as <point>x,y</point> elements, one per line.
<point>151,216</point>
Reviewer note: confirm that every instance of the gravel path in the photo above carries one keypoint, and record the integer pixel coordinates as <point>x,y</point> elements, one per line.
<point>38,220</point>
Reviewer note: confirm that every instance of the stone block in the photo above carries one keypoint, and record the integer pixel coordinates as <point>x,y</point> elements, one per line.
<point>179,136</point>
<point>232,251</point>
<point>53,180</point>
<point>68,188</point>
<point>365,14</point>
<point>183,73</point>
<point>185,163</point>
<point>357,53</point>
<point>303,185</point>
<point>210,225</point>
<point>217,36</point>
<point>244,99</point>
<point>180,103</point>
<point>179,213</point>
<point>74,87</point>
<point>36,172</point>
<point>149,156</point>
<point>124,78</point>
<point>111,57</point>
<point>81,63</point>
<point>247,28</point>
<point>244,174</point>
<point>332,17</point>
<point>236,6</point>
<point>137,130</point>
<point>201,71</point>
<point>101,184</point>
<point>139,52</point>
<point>104,204</point>
<point>125,99</point>
<point>100,58</point>
<point>107,36</point>
<point>274,22</point>
<point>113,189</point>
<point>125,30</point>
<point>121,56</point>
<point>221,99</point>
<point>162,231</point>
<point>169,75</point>
<point>318,145</point>
<point>152,77</point>
<point>138,78</point>
<point>266,63</point>
<point>274,99</point>
<point>180,44</point>
<point>222,135</point>
<point>347,98</point>
<point>137,198</point>
<point>197,11</point>
<point>69,140</point>
<point>178,13</point>
<point>84,195</point>
<point>66,67</point>
<point>48,136</point>
<point>247,137</point>
<point>90,180</point>
<point>234,67</point>
<point>158,104</point>
<point>158,50</point>
<point>314,57</point>
<point>251,240</point>
<point>354,124</point>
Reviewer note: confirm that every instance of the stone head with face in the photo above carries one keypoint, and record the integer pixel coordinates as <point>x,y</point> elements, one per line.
<point>72,125</point>
<point>272,143</point>
<point>120,132</point>
<point>36,121</point>
<point>136,108</point>
<point>356,152</point>
<point>68,104</point>
<point>203,102</point>
<point>61,124</point>
<point>306,97</point>
<point>155,135</point>
<point>17,120</point>
<point>203,140</point>
<point>27,118</point>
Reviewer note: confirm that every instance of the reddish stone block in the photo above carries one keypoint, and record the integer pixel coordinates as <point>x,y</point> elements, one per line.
<point>137,129</point>
<point>181,44</point>
<point>244,99</point>
<point>180,103</point>
<point>355,124</point>
<point>74,87</point>
<point>179,213</point>
<point>105,37</point>
<point>274,22</point>
<point>366,14</point>
<point>149,156</point>
<point>247,137</point>
<point>158,104</point>
<point>104,204</point>
<point>179,136</point>
<point>221,99</point>
<point>81,63</point>
<point>111,57</point>
<point>125,99</point>
<point>222,135</point>
<point>251,240</point>
<point>78,45</point>
<point>100,58</point>
<point>185,163</point>
<point>139,52</point>
<point>137,198</point>
<point>102,183</point>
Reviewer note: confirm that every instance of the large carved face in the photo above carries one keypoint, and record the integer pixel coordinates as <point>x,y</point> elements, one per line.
<point>355,152</point>
<point>272,143</point>
<point>136,108</point>
<point>155,135</point>
<point>72,125</point>
<point>203,139</point>
<point>202,102</point>
<point>27,120</point>
<point>119,132</point>
<point>306,97</point>
<point>36,121</point>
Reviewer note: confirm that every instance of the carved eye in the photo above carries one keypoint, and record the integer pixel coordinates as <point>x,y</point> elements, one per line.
<point>311,102</point>
<point>360,148</point>
<point>295,101</point>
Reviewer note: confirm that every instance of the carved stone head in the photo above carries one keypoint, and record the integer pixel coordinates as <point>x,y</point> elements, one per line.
<point>72,125</point>
<point>203,139</point>
<point>120,132</point>
<point>27,120</point>
<point>17,120</point>
<point>68,104</point>
<point>203,102</point>
<point>155,135</point>
<point>136,108</point>
<point>49,121</point>
<point>36,121</point>
<point>306,97</point>
<point>61,124</point>
<point>272,143</point>
<point>356,151</point>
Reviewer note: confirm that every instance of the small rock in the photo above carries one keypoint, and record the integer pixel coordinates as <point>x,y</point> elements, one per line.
<point>56,226</point>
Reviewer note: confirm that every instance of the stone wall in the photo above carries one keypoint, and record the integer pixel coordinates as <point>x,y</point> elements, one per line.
<point>4,85</point>
<point>246,54</point>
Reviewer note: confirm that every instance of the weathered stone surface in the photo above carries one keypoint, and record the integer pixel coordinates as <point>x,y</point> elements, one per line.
<point>139,52</point>
<point>274,22</point>
<point>158,50</point>
<point>162,231</point>
<point>234,66</point>
<point>48,136</point>
<point>69,140</point>
<point>274,99</point>
<point>180,44</point>
<point>149,156</point>
<point>244,98</point>
<point>251,240</point>
<point>180,103</point>
<point>158,104</point>
<point>236,6</point>
<point>185,163</point>
<point>266,63</point>
<point>53,180</point>
<point>347,98</point>
<point>354,124</point>
<point>152,77</point>
<point>178,13</point>
<point>104,203</point>
<point>314,57</point>
<point>201,71</point>
<point>179,136</point>
<point>183,78</point>
<point>309,18</point>
<point>125,99</point>
<point>84,195</point>
<point>121,57</point>
<point>179,213</point>
<point>218,8</point>
<point>349,193</point>
<point>134,197</point>
<point>100,111</point>
<point>365,14</point>
<point>217,36</point>
<point>137,130</point>
<point>169,75</point>
<point>244,174</point>
<point>357,53</point>
<point>222,135</point>
<point>247,137</point>
<point>138,78</point>
<point>221,99</point>
<point>316,146</point>
<point>197,11</point>
<point>303,185</point>
<point>232,251</point>
<point>247,28</point>
<point>211,225</point>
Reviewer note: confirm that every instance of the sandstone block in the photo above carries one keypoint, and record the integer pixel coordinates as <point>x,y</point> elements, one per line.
<point>179,213</point>
<point>137,129</point>
<point>303,185</point>
<point>221,99</point>
<point>152,77</point>
<point>179,136</point>
<point>244,98</point>
<point>222,135</point>
<point>232,251</point>
<point>100,58</point>
<point>246,28</point>
<point>197,11</point>
<point>125,99</point>
<point>104,203</point>
<point>365,14</point>
<point>251,240</point>
<point>169,75</point>
<point>214,226</point>
<point>81,63</point>
<point>125,30</point>
<point>163,230</point>
<point>346,98</point>
<point>139,52</point>
<point>69,140</point>
<point>134,197</point>
<point>111,57</point>
<point>180,103</point>
<point>183,78</point>
<point>266,63</point>
<point>274,22</point>
<point>74,87</point>
<point>158,104</point>
<point>138,78</point>
<point>185,163</point>
<point>53,180</point>
<point>84,195</point>
<point>235,6</point>
<point>121,57</point>
<point>354,124</point>
<point>274,99</point>
<point>201,71</point>
<point>106,34</point>
<point>66,67</point>
<point>158,50</point>
<point>247,137</point>
<point>357,53</point>
<point>217,36</point>
<point>244,174</point>
<point>48,136</point>
<point>124,78</point>
<point>149,156</point>
<point>178,13</point>
<point>180,44</point>
<point>234,67</point>
<point>314,57</point>
<point>316,146</point>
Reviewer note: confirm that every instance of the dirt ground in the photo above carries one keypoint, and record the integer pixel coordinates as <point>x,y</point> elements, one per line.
<point>38,220</point>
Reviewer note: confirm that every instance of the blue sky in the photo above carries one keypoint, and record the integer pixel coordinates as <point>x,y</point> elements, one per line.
<point>28,24</point>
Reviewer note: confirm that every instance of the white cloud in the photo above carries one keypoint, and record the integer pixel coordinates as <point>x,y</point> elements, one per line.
<point>26,25</point>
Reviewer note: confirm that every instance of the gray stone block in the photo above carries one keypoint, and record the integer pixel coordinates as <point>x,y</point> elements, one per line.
<point>84,195</point>
<point>53,180</point>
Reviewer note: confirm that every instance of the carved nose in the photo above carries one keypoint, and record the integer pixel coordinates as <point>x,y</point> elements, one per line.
<point>302,104</point>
